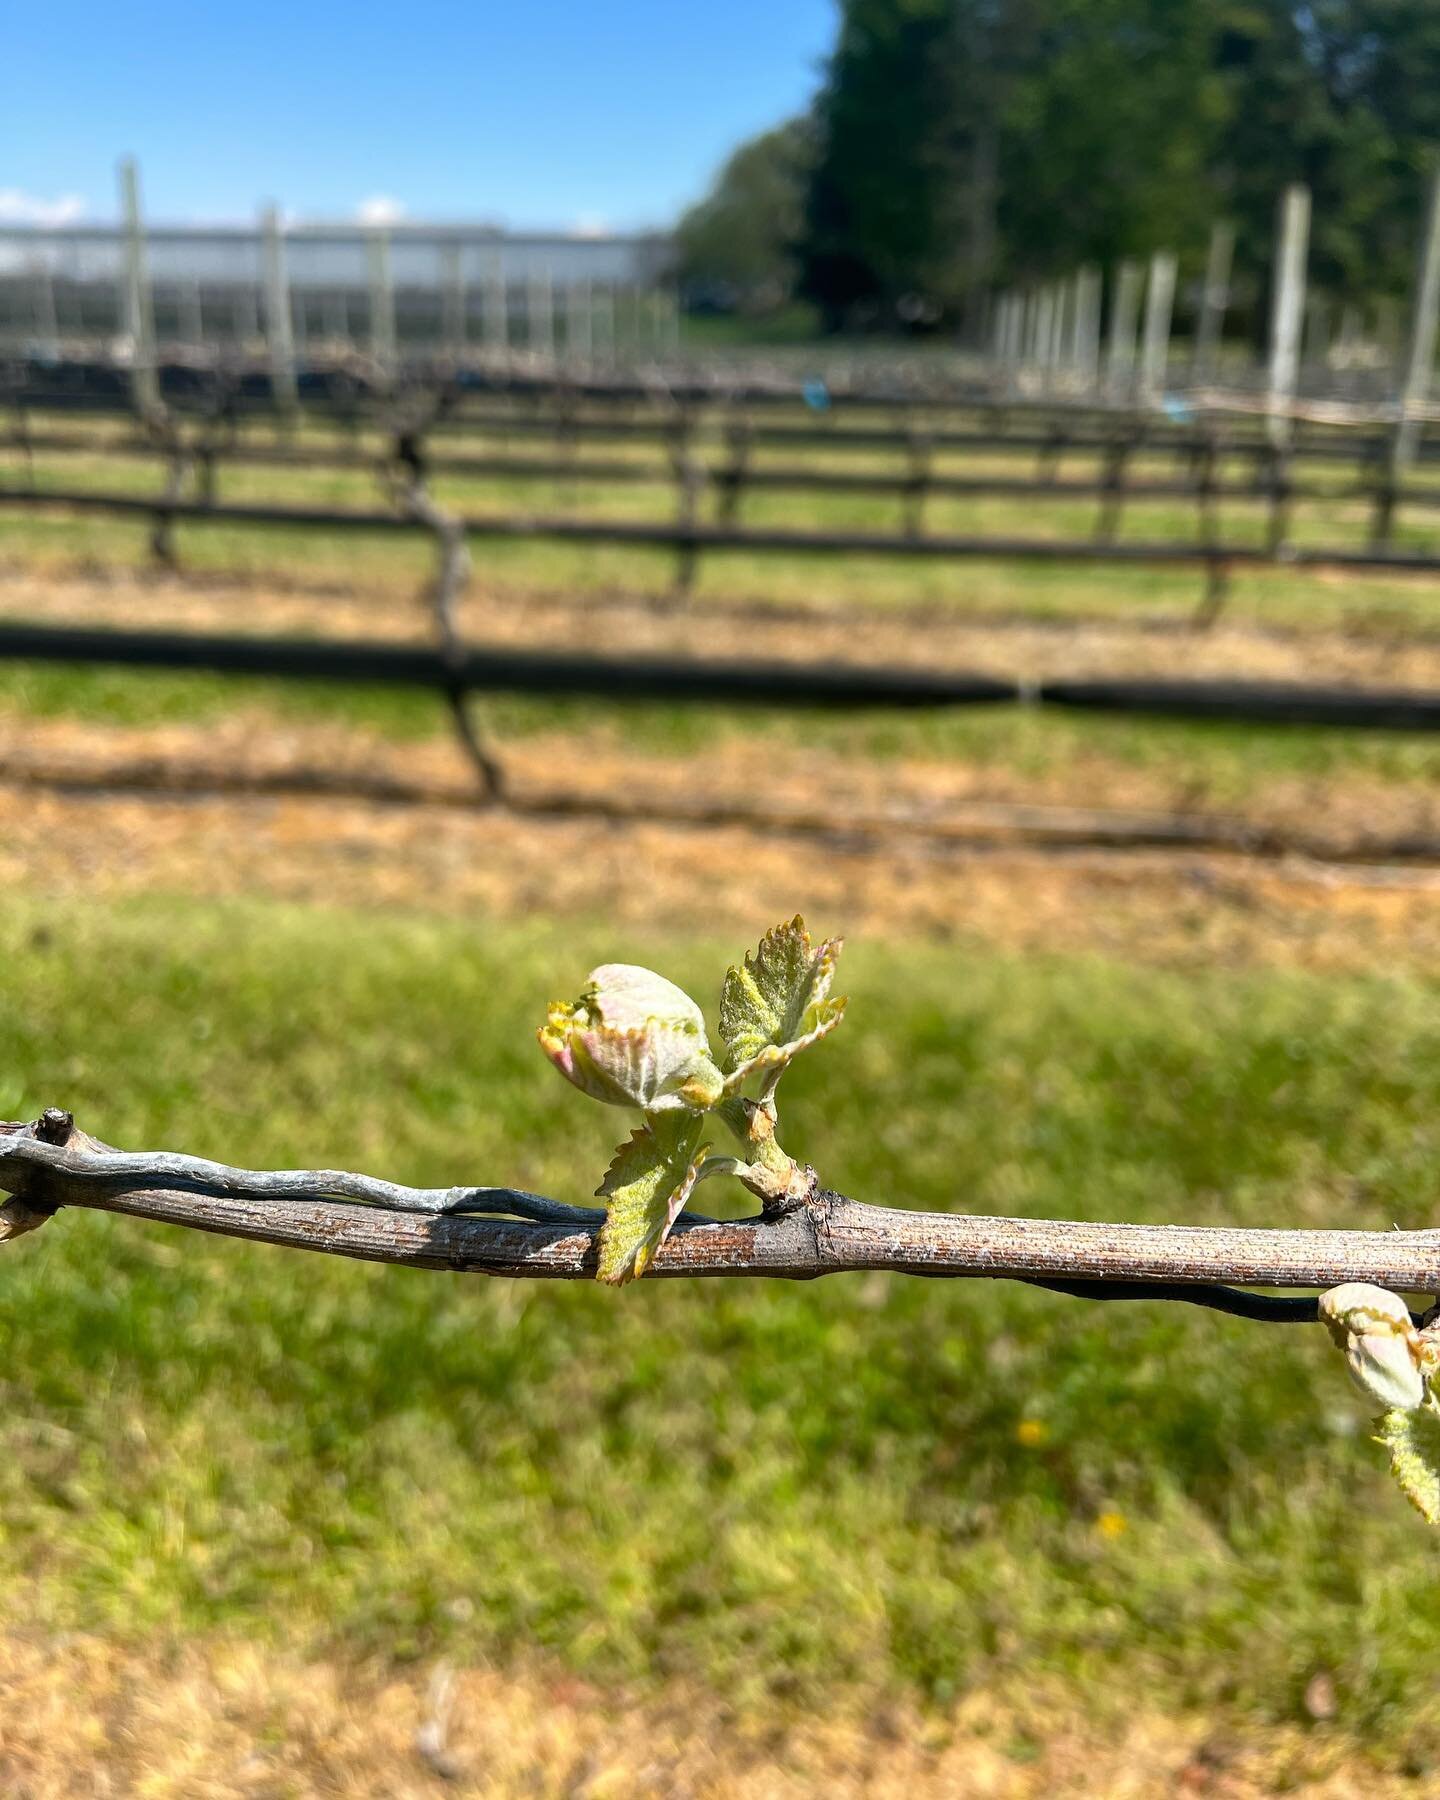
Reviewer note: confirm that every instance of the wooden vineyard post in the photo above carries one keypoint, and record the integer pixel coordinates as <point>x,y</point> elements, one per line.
<point>382,300</point>
<point>137,308</point>
<point>1124,316</point>
<point>279,336</point>
<point>47,328</point>
<point>1424,317</point>
<point>1214,303</point>
<point>540,310</point>
<point>1159,305</point>
<point>580,322</point>
<point>1044,328</point>
<point>1085,328</point>
<point>603,325</point>
<point>194,313</point>
<point>1287,310</point>
<point>452,300</point>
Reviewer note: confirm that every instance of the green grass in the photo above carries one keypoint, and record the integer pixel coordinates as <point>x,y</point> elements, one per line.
<point>1202,763</point>
<point>1120,591</point>
<point>795,1493</point>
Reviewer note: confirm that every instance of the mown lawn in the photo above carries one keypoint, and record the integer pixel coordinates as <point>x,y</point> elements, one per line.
<point>1273,595</point>
<point>834,1493</point>
<point>1201,763</point>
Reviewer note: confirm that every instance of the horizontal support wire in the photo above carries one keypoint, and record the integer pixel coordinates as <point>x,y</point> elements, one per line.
<point>797,478</point>
<point>670,535</point>
<point>620,679</point>
<point>1089,427</point>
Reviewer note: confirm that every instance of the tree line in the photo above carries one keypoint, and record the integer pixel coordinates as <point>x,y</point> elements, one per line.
<point>957,146</point>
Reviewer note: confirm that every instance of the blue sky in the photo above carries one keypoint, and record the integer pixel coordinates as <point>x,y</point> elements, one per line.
<point>556,113</point>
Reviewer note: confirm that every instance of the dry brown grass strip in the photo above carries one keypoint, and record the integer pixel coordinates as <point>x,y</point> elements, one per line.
<point>211,1720</point>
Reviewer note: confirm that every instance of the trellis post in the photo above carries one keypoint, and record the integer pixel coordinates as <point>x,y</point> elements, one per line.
<point>1214,302</point>
<point>1159,306</point>
<point>452,300</point>
<point>137,305</point>
<point>279,333</point>
<point>1424,317</point>
<point>1124,317</point>
<point>496,303</point>
<point>382,299</point>
<point>1287,309</point>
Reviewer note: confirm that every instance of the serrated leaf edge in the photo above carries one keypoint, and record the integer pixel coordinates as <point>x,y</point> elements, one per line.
<point>635,1262</point>
<point>821,960</point>
<point>782,1055</point>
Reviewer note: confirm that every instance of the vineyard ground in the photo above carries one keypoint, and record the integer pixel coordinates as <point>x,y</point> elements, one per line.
<point>868,1524</point>
<point>757,1541</point>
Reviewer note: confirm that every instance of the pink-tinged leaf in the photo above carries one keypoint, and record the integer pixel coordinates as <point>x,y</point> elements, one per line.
<point>645,1189</point>
<point>633,1039</point>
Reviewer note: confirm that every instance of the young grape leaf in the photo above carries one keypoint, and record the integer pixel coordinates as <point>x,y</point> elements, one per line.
<point>1413,1440</point>
<point>775,1004</point>
<point>645,1188</point>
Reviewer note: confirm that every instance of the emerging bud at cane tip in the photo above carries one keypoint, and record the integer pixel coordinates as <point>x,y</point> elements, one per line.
<point>633,1039</point>
<point>1383,1350</point>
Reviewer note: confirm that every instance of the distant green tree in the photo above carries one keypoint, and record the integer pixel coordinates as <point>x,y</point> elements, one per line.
<point>1343,95</point>
<point>737,246</point>
<point>1111,123</point>
<point>960,144</point>
<point>902,196</point>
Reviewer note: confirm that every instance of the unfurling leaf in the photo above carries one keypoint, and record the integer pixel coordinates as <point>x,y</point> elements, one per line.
<point>1413,1440</point>
<point>645,1188</point>
<point>633,1039</point>
<point>776,1003</point>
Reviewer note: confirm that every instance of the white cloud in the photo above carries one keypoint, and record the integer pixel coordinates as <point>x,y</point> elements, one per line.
<point>379,209</point>
<point>591,225</point>
<point>19,208</point>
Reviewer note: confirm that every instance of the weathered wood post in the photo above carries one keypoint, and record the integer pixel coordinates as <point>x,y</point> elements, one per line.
<point>604,325</point>
<point>1124,317</point>
<point>137,309</point>
<point>1044,327</point>
<point>382,299</point>
<point>541,309</point>
<point>580,321</point>
<point>194,312</point>
<point>1214,302</point>
<point>1014,335</point>
<point>1009,323</point>
<point>47,324</point>
<point>452,300</point>
<point>1159,307</point>
<point>1059,328</point>
<point>496,303</point>
<point>1085,327</point>
<point>1287,309</point>
<point>1424,316</point>
<point>279,335</point>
